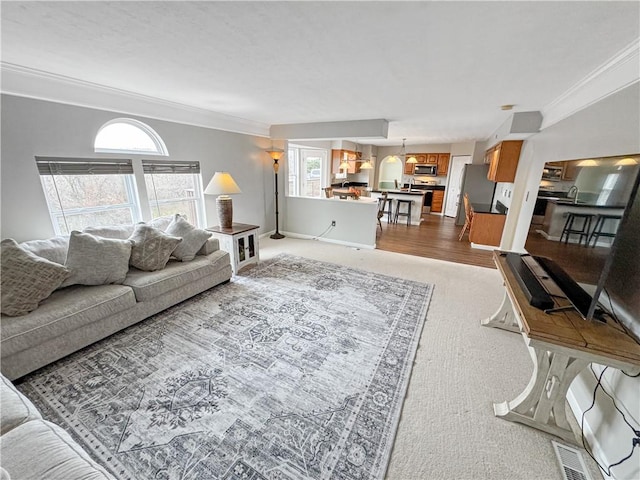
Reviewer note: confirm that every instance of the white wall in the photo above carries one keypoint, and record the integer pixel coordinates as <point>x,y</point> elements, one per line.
<point>608,128</point>
<point>356,221</point>
<point>34,127</point>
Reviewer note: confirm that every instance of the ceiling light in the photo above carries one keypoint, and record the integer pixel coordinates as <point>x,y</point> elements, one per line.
<point>626,161</point>
<point>506,107</point>
<point>587,163</point>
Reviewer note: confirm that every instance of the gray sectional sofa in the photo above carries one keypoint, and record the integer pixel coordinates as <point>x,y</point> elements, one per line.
<point>33,448</point>
<point>79,315</point>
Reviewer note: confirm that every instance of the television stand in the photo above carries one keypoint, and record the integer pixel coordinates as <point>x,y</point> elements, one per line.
<point>561,346</point>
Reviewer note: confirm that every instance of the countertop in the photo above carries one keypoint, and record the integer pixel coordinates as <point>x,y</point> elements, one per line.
<point>485,208</point>
<point>401,192</point>
<point>569,203</point>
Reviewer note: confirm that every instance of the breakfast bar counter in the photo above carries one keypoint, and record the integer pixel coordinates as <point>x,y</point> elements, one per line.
<point>414,196</point>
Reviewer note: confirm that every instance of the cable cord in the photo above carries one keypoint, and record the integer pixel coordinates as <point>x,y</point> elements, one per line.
<point>323,233</point>
<point>635,441</point>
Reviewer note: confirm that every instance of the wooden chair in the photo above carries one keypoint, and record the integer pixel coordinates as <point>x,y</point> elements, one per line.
<point>328,192</point>
<point>468,216</point>
<point>382,202</point>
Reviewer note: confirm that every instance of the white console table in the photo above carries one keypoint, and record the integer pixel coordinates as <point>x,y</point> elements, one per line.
<point>241,241</point>
<point>561,345</point>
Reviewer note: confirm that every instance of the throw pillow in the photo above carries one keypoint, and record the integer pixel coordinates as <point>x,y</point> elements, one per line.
<point>121,232</point>
<point>26,279</point>
<point>95,260</point>
<point>54,249</point>
<point>151,247</point>
<point>192,238</point>
<point>161,223</point>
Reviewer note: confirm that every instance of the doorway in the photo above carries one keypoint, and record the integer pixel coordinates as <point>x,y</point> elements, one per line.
<point>456,168</point>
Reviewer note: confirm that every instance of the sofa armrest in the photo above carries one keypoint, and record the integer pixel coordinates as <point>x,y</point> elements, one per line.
<point>210,246</point>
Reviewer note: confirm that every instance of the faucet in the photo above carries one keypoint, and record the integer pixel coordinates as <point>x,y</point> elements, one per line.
<point>344,183</point>
<point>573,190</point>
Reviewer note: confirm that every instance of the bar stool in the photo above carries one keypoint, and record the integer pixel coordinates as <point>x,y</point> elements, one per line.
<point>407,213</point>
<point>597,229</point>
<point>389,210</point>
<point>583,231</point>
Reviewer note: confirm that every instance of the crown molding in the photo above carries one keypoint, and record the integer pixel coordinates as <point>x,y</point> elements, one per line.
<point>27,82</point>
<point>619,72</point>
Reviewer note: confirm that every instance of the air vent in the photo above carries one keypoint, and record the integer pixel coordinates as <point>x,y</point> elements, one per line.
<point>571,462</point>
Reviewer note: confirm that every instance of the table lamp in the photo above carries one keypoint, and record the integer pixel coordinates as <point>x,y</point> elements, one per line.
<point>223,185</point>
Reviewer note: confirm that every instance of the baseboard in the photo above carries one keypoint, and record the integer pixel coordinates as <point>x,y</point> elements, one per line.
<point>329,240</point>
<point>483,247</point>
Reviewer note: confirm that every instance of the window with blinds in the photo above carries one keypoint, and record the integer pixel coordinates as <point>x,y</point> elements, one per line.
<point>174,187</point>
<point>82,192</point>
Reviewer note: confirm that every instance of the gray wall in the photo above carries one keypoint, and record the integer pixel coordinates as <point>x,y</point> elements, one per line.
<point>35,127</point>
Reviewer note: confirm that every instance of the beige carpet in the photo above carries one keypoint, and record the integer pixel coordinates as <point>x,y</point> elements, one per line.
<point>447,429</point>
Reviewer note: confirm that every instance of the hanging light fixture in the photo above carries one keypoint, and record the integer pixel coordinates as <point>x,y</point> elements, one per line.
<point>402,156</point>
<point>366,165</point>
<point>412,158</point>
<point>344,164</point>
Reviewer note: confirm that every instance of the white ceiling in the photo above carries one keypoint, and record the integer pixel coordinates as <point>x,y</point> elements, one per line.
<point>438,71</point>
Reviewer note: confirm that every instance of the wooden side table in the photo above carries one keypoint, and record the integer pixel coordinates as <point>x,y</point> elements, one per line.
<point>241,241</point>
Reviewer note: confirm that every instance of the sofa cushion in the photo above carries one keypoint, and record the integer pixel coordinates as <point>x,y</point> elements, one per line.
<point>211,245</point>
<point>96,260</point>
<point>54,249</point>
<point>192,238</point>
<point>65,310</point>
<point>119,232</point>
<point>42,450</point>
<point>161,223</point>
<point>26,279</point>
<point>151,247</point>
<point>149,285</point>
<point>16,408</point>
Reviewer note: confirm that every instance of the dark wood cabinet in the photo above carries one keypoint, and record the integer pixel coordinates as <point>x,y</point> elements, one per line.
<point>437,201</point>
<point>503,160</point>
<point>443,164</point>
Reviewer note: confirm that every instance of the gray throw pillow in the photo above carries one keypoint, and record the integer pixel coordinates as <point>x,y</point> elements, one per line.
<point>95,260</point>
<point>54,249</point>
<point>161,223</point>
<point>26,279</point>
<point>192,238</point>
<point>151,247</point>
<point>121,232</point>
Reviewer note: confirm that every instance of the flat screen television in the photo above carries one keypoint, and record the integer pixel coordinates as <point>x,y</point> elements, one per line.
<point>610,272</point>
<point>618,289</point>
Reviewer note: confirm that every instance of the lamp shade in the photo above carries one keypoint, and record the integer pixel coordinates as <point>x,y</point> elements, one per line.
<point>412,159</point>
<point>275,153</point>
<point>222,183</point>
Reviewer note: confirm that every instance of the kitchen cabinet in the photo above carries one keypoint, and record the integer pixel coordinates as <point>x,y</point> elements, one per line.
<point>503,160</point>
<point>353,159</point>
<point>486,229</point>
<point>432,158</point>
<point>443,164</point>
<point>570,170</point>
<point>409,168</point>
<point>437,200</point>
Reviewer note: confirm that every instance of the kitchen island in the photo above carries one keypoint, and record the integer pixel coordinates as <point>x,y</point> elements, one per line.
<point>556,213</point>
<point>415,196</point>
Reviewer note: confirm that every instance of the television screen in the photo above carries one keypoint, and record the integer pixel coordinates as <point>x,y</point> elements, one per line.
<point>620,279</point>
<point>600,189</point>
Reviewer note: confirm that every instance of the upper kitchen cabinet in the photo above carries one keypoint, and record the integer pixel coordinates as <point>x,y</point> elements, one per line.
<point>432,158</point>
<point>503,160</point>
<point>570,169</point>
<point>443,164</point>
<point>352,158</point>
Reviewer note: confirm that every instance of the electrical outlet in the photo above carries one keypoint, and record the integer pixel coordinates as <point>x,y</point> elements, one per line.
<point>333,223</point>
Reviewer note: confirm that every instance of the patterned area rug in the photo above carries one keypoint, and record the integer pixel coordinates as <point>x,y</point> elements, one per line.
<point>297,369</point>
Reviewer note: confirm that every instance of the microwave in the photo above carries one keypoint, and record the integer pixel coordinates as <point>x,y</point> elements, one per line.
<point>431,170</point>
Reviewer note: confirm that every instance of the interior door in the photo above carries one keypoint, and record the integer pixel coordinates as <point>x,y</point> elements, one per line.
<point>456,167</point>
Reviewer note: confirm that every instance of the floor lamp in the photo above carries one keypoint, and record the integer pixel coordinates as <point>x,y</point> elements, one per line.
<point>276,154</point>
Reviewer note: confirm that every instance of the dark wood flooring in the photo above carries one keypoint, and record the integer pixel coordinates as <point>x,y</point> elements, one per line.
<point>437,237</point>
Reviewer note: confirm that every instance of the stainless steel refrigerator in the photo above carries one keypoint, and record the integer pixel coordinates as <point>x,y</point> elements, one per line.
<point>477,186</point>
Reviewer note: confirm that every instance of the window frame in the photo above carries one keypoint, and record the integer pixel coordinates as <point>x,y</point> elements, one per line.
<point>301,152</point>
<point>161,148</point>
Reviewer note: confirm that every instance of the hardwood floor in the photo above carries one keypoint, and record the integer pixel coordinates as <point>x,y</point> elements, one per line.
<point>437,237</point>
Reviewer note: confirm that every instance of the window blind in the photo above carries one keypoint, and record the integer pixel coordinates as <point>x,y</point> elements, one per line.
<point>84,166</point>
<point>168,166</point>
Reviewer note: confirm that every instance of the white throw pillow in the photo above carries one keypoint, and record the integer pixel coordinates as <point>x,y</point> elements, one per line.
<point>26,279</point>
<point>151,247</point>
<point>192,238</point>
<point>161,223</point>
<point>121,232</point>
<point>95,260</point>
<point>53,249</point>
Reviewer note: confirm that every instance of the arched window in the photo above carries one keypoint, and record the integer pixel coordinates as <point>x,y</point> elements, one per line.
<point>126,135</point>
